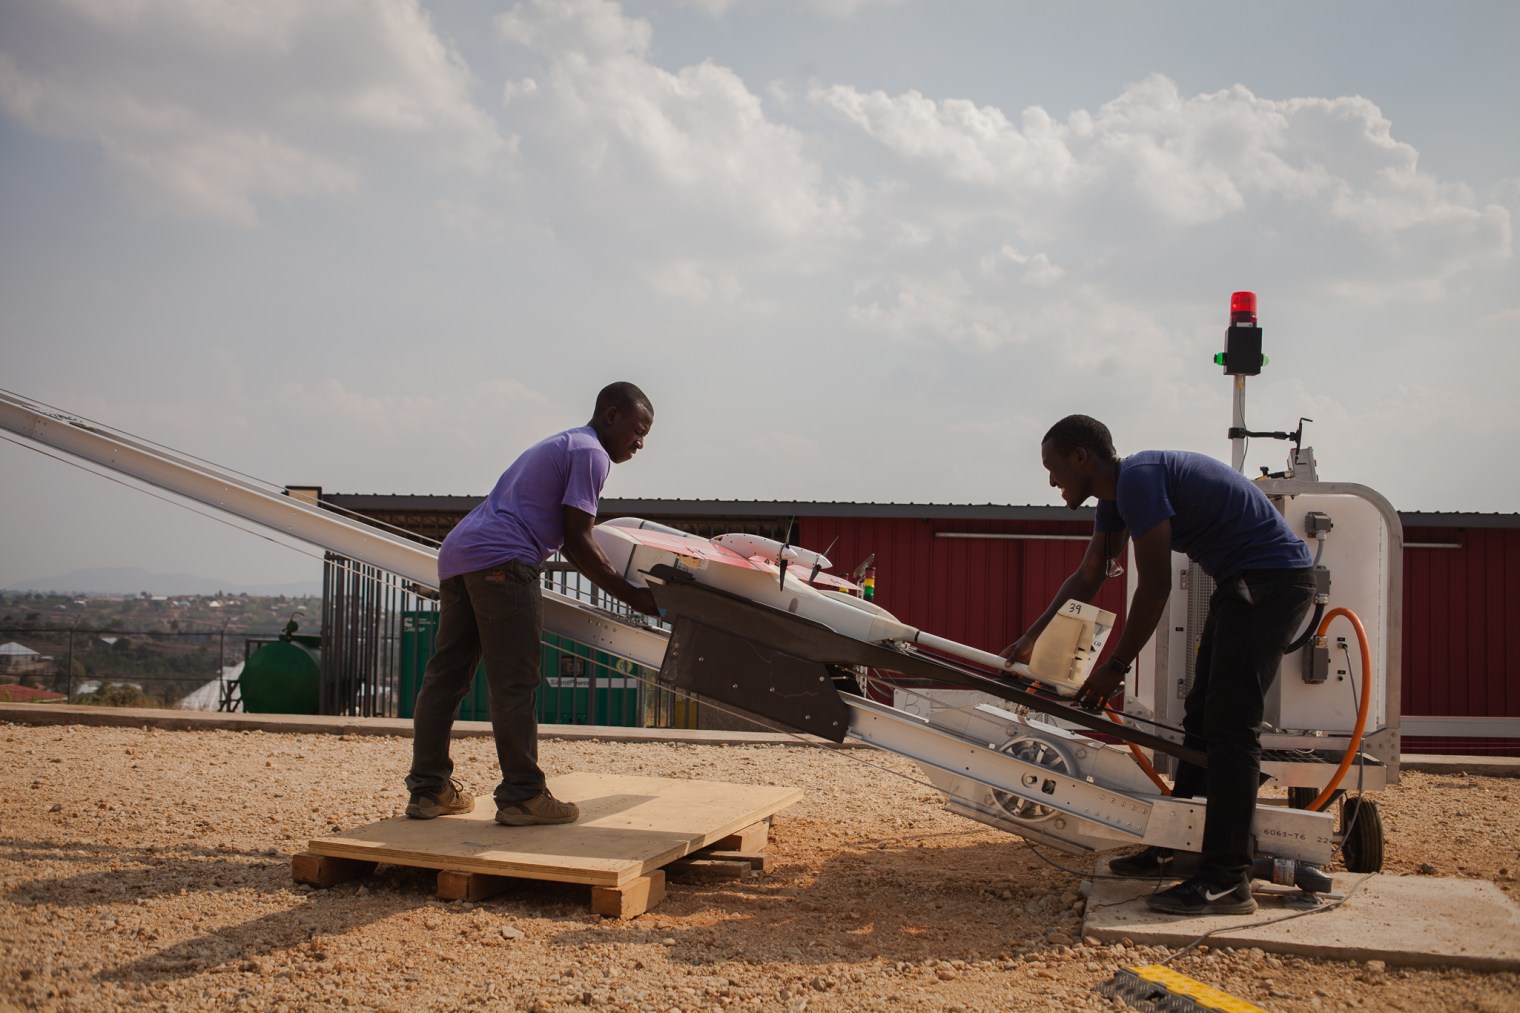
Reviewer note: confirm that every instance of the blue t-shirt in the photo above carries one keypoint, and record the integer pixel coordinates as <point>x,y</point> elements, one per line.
<point>523,519</point>
<point>1219,517</point>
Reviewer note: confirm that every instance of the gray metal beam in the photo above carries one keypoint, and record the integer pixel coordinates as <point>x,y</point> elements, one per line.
<point>205,484</point>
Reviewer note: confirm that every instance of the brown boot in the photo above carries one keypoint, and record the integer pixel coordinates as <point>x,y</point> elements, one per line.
<point>540,809</point>
<point>449,800</point>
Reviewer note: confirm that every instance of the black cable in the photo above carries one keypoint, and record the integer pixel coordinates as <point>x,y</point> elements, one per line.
<point>1303,638</point>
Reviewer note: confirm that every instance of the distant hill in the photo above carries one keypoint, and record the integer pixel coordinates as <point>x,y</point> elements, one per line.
<point>134,579</point>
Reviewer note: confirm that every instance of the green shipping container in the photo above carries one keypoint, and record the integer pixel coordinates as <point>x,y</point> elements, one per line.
<point>577,686</point>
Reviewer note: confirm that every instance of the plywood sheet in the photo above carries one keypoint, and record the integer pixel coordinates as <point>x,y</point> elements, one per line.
<point>629,827</point>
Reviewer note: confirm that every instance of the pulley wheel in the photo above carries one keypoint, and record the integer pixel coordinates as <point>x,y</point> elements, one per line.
<point>1041,753</point>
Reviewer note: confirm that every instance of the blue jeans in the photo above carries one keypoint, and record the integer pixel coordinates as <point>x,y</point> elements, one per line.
<point>496,614</point>
<point>1252,617</point>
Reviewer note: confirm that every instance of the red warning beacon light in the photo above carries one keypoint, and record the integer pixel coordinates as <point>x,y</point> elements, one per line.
<point>1242,347</point>
<point>1243,308</point>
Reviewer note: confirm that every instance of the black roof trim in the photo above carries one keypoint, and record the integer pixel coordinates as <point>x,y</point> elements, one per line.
<point>633,507</point>
<point>638,507</point>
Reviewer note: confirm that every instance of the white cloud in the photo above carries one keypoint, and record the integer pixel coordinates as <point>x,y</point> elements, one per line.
<point>690,281</point>
<point>965,142</point>
<point>842,10</point>
<point>845,9</point>
<point>206,110</point>
<point>448,436</point>
<point>1036,268</point>
<point>1155,180</point>
<point>694,145</point>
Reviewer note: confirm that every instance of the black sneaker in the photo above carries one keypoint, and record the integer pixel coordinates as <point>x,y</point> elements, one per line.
<point>1149,863</point>
<point>1198,896</point>
<point>449,800</point>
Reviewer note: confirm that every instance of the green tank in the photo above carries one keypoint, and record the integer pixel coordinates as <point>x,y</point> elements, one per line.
<point>280,678</point>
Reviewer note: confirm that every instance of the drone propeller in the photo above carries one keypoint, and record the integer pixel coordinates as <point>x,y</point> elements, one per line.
<point>818,560</point>
<point>860,571</point>
<point>786,543</point>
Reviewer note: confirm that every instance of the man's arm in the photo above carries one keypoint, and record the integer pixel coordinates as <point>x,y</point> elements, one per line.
<point>1082,585</point>
<point>1153,585</point>
<point>587,557</point>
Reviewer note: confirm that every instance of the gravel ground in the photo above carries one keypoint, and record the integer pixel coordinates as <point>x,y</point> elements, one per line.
<point>151,869</point>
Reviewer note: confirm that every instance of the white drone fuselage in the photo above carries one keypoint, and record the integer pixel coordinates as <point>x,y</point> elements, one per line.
<point>749,566</point>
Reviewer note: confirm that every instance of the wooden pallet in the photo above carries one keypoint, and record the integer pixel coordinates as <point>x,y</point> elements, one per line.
<point>631,830</point>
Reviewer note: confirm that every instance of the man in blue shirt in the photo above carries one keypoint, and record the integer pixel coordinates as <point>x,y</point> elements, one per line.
<point>491,606</point>
<point>1173,500</point>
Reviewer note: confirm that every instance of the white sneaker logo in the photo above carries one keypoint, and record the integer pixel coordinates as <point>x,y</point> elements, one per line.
<point>1211,896</point>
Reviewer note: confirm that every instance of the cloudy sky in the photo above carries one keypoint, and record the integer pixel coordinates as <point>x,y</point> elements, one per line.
<point>854,249</point>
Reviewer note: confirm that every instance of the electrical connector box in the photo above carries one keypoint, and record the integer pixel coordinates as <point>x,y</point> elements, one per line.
<point>1316,664</point>
<point>1317,522</point>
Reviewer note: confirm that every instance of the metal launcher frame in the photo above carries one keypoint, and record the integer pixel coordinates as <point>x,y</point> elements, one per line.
<point>1022,762</point>
<point>1007,764</point>
<point>1312,709</point>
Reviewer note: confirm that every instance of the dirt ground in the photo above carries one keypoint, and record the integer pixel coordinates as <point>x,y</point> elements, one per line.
<point>151,869</point>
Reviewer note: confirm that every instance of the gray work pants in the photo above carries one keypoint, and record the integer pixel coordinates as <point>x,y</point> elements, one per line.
<point>495,614</point>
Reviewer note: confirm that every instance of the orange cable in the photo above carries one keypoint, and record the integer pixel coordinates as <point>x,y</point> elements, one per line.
<point>1140,758</point>
<point>1362,707</point>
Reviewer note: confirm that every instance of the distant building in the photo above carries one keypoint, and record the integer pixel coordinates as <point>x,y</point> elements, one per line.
<point>11,692</point>
<point>18,659</point>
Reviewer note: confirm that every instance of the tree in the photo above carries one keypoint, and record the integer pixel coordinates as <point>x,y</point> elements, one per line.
<point>113,695</point>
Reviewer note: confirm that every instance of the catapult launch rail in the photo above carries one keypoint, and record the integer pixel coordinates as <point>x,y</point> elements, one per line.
<point>994,764</point>
<point>213,487</point>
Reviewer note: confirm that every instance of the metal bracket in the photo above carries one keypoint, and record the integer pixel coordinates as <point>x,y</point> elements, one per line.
<point>755,677</point>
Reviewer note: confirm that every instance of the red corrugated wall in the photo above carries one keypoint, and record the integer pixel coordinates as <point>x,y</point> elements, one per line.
<point>1461,637</point>
<point>981,592</point>
<point>1462,630</point>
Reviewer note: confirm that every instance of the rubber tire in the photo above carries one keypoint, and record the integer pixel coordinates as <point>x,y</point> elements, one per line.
<point>1299,798</point>
<point>1362,848</point>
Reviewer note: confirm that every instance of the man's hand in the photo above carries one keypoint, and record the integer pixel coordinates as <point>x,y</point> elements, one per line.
<point>1105,681</point>
<point>643,600</point>
<point>1020,651</point>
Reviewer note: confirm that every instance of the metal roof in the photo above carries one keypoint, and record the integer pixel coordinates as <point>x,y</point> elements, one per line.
<point>636,507</point>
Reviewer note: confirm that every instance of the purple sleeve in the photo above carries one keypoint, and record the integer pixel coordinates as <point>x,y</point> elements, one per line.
<point>588,473</point>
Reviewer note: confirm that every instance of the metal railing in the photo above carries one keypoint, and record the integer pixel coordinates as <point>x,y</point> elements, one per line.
<point>377,635</point>
<point>105,664</point>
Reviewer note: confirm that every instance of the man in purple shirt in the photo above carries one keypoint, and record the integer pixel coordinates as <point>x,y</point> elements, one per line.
<point>491,606</point>
<point>1168,500</point>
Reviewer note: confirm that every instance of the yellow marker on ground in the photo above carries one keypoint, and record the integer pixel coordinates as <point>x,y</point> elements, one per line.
<point>1157,989</point>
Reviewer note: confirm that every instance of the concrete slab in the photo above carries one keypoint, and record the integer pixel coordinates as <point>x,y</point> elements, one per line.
<point>314,724</point>
<point>1409,920</point>
<point>1484,766</point>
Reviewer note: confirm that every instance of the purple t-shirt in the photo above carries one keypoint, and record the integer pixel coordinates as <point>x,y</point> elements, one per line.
<point>523,519</point>
<point>1220,518</point>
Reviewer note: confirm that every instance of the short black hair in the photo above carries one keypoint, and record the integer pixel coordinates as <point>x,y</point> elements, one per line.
<point>1082,431</point>
<point>621,395</point>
